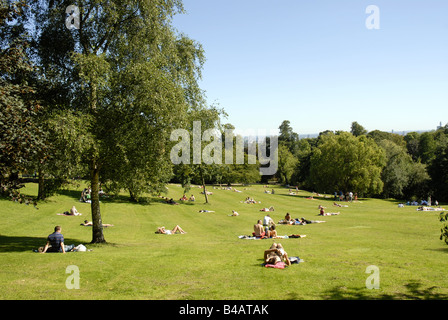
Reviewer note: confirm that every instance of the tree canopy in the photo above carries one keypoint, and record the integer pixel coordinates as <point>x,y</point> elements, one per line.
<point>348,163</point>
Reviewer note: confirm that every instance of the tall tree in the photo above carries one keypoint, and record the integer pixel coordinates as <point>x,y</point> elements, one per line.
<point>348,163</point>
<point>357,129</point>
<point>288,137</point>
<point>136,78</point>
<point>401,174</point>
<point>21,136</point>
<point>287,165</point>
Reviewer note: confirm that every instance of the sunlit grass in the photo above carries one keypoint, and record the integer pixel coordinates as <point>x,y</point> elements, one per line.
<point>210,262</point>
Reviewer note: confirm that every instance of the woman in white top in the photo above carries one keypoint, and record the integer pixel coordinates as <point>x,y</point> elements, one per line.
<point>162,230</point>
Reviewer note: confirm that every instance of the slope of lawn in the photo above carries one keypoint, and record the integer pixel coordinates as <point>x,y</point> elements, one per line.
<point>210,262</point>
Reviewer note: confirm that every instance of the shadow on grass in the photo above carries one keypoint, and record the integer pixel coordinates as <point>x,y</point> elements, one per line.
<point>76,195</point>
<point>22,244</point>
<point>414,291</point>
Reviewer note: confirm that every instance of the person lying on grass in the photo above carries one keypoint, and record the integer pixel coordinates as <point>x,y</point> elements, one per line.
<point>323,213</point>
<point>176,229</point>
<point>205,211</point>
<point>276,254</point>
<point>340,205</point>
<point>305,221</point>
<point>301,221</point>
<point>88,223</point>
<point>72,212</point>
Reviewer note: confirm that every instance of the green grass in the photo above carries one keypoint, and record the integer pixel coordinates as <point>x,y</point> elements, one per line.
<point>210,262</point>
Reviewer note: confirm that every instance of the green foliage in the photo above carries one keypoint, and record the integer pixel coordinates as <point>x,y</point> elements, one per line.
<point>288,137</point>
<point>357,129</point>
<point>287,165</point>
<point>438,170</point>
<point>399,170</point>
<point>444,230</point>
<point>21,136</point>
<point>400,241</point>
<point>348,163</point>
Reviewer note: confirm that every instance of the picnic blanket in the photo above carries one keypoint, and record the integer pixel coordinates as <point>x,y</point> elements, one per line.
<point>282,265</point>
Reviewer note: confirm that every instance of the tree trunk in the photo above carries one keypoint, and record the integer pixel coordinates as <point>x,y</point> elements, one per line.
<point>132,196</point>
<point>97,228</point>
<point>41,184</point>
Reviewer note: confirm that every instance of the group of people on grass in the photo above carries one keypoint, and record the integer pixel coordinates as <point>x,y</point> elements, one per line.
<point>348,196</point>
<point>184,198</point>
<point>86,194</point>
<point>297,221</point>
<point>250,200</point>
<point>266,229</point>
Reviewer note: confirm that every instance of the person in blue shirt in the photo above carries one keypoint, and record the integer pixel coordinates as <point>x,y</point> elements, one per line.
<point>55,242</point>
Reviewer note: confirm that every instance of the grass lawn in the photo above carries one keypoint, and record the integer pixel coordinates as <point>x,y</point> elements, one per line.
<point>210,262</point>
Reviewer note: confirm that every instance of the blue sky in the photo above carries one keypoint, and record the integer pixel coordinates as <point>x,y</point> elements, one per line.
<point>316,64</point>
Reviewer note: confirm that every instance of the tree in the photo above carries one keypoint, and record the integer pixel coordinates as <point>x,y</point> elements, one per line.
<point>348,163</point>
<point>413,144</point>
<point>135,77</point>
<point>21,136</point>
<point>66,139</point>
<point>287,164</point>
<point>438,170</point>
<point>288,137</point>
<point>401,175</point>
<point>443,217</point>
<point>379,135</point>
<point>357,129</point>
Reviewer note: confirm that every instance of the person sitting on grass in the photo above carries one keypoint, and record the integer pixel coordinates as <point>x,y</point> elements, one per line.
<point>55,242</point>
<point>272,232</point>
<point>88,223</point>
<point>234,213</point>
<point>74,212</point>
<point>171,201</point>
<point>176,229</point>
<point>258,230</point>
